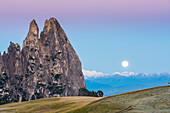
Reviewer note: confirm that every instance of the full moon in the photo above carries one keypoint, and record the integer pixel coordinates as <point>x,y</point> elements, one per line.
<point>125,63</point>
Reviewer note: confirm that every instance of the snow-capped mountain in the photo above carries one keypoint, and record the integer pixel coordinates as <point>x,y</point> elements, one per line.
<point>117,82</point>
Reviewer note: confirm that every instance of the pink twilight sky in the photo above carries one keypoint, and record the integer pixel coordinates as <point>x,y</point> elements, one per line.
<point>134,30</point>
<point>76,9</point>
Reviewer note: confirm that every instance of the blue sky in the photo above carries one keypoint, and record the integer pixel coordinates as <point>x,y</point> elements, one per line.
<point>103,36</point>
<point>146,47</point>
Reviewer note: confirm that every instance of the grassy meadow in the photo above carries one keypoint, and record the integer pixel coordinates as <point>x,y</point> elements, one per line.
<point>152,100</point>
<point>48,105</point>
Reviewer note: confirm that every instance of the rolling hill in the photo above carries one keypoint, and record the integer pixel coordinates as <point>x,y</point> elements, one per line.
<point>48,105</point>
<point>151,100</point>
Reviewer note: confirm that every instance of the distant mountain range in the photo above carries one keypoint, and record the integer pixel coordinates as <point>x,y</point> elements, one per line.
<point>123,82</point>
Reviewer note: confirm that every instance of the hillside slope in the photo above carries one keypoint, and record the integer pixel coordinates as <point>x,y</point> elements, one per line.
<point>152,100</point>
<point>48,105</point>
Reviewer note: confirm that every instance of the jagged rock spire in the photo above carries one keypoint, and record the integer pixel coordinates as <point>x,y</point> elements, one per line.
<point>32,36</point>
<point>51,23</point>
<point>46,67</point>
<point>34,30</point>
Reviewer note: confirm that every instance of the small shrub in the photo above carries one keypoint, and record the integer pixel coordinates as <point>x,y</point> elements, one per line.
<point>100,93</point>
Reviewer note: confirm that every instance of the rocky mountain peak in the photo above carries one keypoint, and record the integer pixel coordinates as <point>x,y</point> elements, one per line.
<point>56,23</point>
<point>51,25</point>
<point>33,28</point>
<point>11,48</point>
<point>45,67</point>
<point>32,36</point>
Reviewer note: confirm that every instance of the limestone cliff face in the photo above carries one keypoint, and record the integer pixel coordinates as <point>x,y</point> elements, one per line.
<point>45,67</point>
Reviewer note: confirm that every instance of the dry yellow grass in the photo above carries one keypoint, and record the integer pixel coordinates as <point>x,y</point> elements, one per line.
<point>152,100</point>
<point>48,105</point>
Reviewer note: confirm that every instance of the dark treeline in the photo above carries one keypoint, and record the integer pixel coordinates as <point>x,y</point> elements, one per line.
<point>85,92</point>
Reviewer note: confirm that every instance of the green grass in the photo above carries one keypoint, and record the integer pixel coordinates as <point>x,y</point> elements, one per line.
<point>152,100</point>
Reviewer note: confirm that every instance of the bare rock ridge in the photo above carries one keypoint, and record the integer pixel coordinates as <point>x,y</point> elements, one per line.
<point>46,67</point>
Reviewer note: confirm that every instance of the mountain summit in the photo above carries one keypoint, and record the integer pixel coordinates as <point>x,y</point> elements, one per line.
<point>46,67</point>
